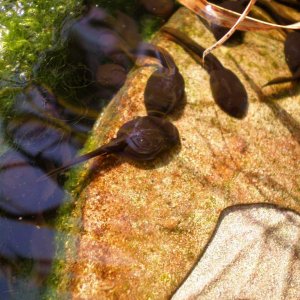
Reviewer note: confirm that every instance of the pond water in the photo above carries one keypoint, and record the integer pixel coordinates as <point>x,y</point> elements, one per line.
<point>47,119</point>
<point>54,84</point>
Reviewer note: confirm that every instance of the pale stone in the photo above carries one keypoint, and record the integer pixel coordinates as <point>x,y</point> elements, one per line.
<point>254,254</point>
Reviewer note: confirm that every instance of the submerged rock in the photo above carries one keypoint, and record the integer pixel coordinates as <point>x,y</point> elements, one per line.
<point>144,225</point>
<point>260,260</point>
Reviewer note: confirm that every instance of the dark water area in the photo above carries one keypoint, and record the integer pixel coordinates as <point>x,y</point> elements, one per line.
<point>48,122</point>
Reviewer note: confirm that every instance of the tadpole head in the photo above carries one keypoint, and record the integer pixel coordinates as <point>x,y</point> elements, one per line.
<point>164,92</point>
<point>147,137</point>
<point>219,31</point>
<point>229,93</point>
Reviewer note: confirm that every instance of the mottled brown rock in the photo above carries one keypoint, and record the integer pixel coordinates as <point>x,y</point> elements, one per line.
<point>145,225</point>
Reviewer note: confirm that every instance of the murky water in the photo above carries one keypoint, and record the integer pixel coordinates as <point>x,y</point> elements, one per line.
<point>48,123</point>
<point>53,111</point>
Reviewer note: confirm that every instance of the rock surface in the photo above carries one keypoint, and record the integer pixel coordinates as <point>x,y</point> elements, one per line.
<point>254,254</point>
<point>144,226</point>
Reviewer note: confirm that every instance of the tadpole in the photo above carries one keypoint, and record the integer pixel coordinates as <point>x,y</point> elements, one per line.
<point>164,91</point>
<point>161,8</point>
<point>219,31</point>
<point>228,91</point>
<point>141,139</point>
<point>292,58</point>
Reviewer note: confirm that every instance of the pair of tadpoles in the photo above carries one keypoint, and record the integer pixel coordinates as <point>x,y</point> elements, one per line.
<point>145,138</point>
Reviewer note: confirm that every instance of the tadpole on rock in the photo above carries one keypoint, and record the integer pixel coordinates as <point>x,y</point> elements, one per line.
<point>228,91</point>
<point>164,91</point>
<point>292,58</point>
<point>141,139</point>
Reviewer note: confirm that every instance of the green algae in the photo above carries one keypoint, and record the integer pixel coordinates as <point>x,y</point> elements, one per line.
<point>149,25</point>
<point>27,29</point>
<point>31,50</point>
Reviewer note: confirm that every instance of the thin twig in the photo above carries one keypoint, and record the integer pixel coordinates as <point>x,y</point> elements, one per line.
<point>231,31</point>
<point>224,17</point>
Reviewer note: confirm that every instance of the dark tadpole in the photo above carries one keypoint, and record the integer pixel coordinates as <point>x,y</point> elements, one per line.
<point>228,91</point>
<point>292,58</point>
<point>219,31</point>
<point>141,139</point>
<point>164,92</point>
<point>161,8</point>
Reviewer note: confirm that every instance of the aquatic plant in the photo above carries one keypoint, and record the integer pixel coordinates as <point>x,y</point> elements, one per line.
<point>27,29</point>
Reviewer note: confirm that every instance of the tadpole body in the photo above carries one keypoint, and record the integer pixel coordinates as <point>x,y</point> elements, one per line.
<point>292,51</point>
<point>161,8</point>
<point>141,139</point>
<point>164,91</point>
<point>292,58</point>
<point>228,91</point>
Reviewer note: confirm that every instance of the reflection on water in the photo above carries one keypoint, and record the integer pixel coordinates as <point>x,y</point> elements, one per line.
<point>19,191</point>
<point>47,125</point>
<point>24,246</point>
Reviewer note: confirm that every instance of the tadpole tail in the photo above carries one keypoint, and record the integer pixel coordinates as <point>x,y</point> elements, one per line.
<point>114,146</point>
<point>98,152</point>
<point>195,50</point>
<point>282,80</point>
<point>146,49</point>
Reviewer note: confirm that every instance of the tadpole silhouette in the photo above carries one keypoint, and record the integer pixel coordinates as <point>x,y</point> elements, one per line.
<point>164,90</point>
<point>162,8</point>
<point>228,91</point>
<point>99,42</point>
<point>219,31</point>
<point>278,16</point>
<point>141,139</point>
<point>39,129</point>
<point>292,58</point>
